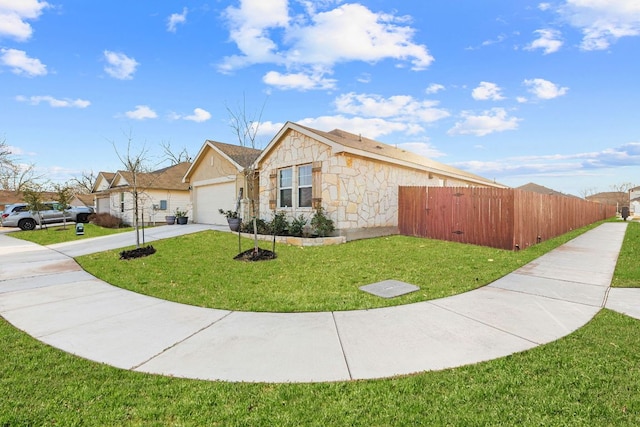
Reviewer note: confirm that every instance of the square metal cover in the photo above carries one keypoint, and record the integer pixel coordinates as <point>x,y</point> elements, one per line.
<point>389,288</point>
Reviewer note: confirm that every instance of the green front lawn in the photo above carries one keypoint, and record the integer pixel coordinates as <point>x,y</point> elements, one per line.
<point>58,234</point>
<point>589,378</point>
<point>199,269</point>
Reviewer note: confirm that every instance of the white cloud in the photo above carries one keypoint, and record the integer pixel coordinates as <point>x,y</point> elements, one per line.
<point>544,89</point>
<point>20,63</point>
<point>558,164</point>
<point>298,81</point>
<point>175,19</point>
<point>434,88</point>
<point>264,32</point>
<point>54,102</point>
<point>15,13</point>
<point>603,22</point>
<point>199,115</point>
<point>487,91</point>
<point>369,127</point>
<point>544,6</point>
<point>548,40</point>
<point>403,108</point>
<point>120,66</point>
<point>494,120</point>
<point>141,112</point>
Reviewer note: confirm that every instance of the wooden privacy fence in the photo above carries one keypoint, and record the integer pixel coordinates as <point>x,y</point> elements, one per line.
<point>500,218</point>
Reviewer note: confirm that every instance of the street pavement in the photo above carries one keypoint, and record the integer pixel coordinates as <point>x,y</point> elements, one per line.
<point>47,295</point>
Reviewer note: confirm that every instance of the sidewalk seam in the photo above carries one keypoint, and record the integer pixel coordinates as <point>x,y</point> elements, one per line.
<point>175,344</point>
<point>344,354</point>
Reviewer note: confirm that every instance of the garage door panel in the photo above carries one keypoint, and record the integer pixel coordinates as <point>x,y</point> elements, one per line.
<point>209,198</point>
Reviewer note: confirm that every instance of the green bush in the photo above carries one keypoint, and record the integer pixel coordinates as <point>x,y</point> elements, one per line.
<point>322,225</point>
<point>279,224</point>
<point>297,226</point>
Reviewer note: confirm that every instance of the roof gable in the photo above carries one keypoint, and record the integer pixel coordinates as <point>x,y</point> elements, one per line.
<point>169,178</point>
<point>239,157</point>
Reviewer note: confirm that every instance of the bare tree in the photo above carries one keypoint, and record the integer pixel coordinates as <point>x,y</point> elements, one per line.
<point>135,164</point>
<point>175,157</point>
<point>245,126</point>
<point>622,190</point>
<point>14,176</point>
<point>586,192</point>
<point>84,184</point>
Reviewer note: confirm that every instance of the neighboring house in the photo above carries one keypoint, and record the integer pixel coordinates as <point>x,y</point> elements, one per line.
<point>160,193</point>
<point>82,200</point>
<point>634,200</point>
<point>9,197</point>
<point>217,181</point>
<point>355,179</point>
<point>540,189</point>
<point>613,198</point>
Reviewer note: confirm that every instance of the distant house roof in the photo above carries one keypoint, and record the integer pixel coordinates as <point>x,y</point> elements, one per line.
<point>342,141</point>
<point>535,188</point>
<point>609,197</point>
<point>169,178</point>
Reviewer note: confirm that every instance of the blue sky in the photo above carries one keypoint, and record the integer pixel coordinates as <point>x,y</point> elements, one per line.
<point>517,91</point>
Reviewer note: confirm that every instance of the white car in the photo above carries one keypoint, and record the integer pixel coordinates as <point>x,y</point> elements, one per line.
<point>19,215</point>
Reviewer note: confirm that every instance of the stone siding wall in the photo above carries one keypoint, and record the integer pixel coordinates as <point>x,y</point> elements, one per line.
<point>357,192</point>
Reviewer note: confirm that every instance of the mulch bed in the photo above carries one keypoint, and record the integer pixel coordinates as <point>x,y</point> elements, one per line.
<point>138,252</point>
<point>251,255</point>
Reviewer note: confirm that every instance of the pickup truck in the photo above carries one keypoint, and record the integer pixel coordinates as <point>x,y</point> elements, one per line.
<point>19,215</point>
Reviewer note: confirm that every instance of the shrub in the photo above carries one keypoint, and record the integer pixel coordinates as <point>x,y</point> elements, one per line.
<point>106,220</point>
<point>279,224</point>
<point>297,226</point>
<point>263,227</point>
<point>321,223</point>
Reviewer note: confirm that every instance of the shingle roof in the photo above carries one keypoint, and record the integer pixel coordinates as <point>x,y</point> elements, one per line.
<point>244,156</point>
<point>536,188</point>
<point>378,148</point>
<point>169,178</point>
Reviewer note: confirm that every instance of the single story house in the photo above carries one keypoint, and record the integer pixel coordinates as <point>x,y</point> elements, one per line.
<point>634,200</point>
<point>219,179</point>
<point>353,178</point>
<point>160,193</point>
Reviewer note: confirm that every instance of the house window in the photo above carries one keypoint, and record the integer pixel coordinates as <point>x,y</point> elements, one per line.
<point>163,205</point>
<point>121,202</point>
<point>304,186</point>
<point>285,185</point>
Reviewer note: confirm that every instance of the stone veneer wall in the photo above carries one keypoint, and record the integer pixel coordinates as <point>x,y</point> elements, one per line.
<point>359,194</point>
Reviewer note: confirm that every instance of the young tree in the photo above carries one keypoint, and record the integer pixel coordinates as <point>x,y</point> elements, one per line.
<point>63,197</point>
<point>32,195</point>
<point>135,164</point>
<point>246,127</point>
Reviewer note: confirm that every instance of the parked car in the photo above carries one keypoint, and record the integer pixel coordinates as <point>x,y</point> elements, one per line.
<point>19,215</point>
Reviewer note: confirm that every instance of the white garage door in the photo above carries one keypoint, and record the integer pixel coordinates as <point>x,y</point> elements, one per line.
<point>209,198</point>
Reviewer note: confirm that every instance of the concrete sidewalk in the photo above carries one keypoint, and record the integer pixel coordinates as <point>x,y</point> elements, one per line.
<point>44,293</point>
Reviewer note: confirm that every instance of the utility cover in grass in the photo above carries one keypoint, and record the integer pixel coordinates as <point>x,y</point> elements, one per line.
<point>389,288</point>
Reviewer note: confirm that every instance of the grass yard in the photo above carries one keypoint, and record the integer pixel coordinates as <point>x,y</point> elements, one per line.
<point>589,378</point>
<point>627,274</point>
<point>199,269</point>
<point>57,234</point>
